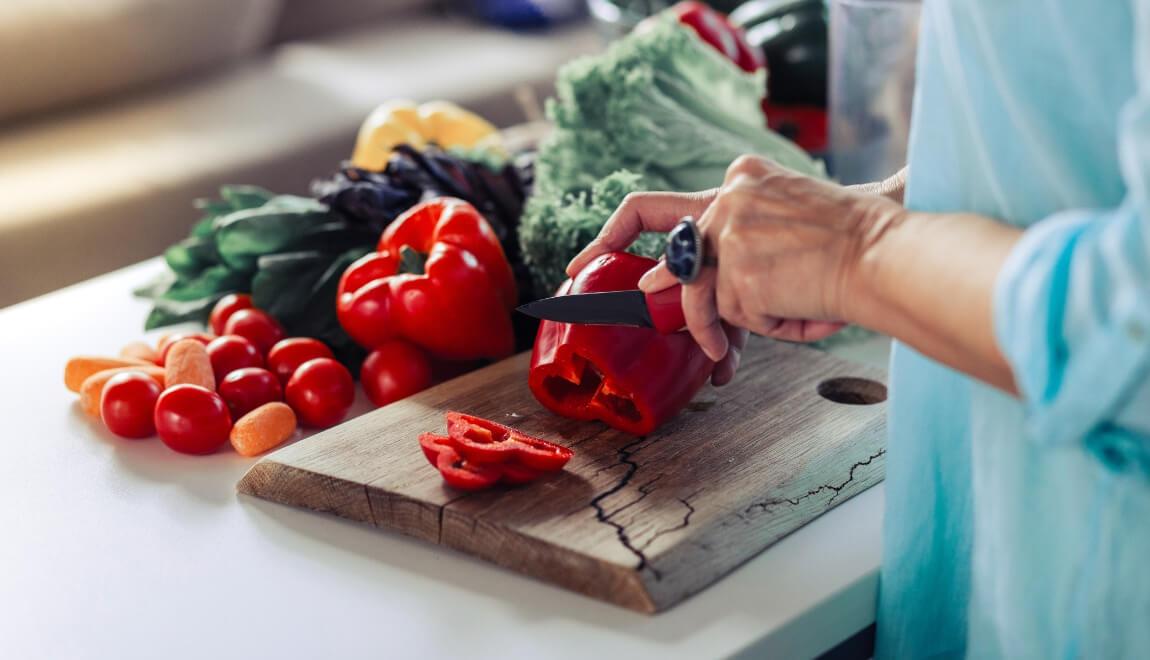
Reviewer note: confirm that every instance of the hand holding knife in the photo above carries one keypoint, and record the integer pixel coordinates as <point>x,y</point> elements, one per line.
<point>661,310</point>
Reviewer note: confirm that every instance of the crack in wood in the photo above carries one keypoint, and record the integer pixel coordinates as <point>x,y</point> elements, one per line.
<point>370,506</point>
<point>624,454</point>
<point>794,501</point>
<point>686,501</point>
<point>644,490</point>
<point>442,510</point>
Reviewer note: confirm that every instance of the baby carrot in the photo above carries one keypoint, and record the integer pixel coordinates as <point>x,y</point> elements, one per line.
<point>93,385</point>
<point>263,429</point>
<point>77,370</point>
<point>187,361</point>
<point>141,351</point>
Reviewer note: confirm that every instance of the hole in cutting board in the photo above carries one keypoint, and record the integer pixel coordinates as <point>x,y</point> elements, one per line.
<point>852,391</point>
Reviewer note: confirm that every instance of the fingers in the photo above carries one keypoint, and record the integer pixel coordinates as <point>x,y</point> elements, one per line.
<point>657,279</point>
<point>702,316</point>
<point>798,330</point>
<point>725,370</point>
<point>639,212</point>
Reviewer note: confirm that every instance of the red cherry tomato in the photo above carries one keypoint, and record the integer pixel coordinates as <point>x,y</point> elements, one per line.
<point>228,305</point>
<point>287,355</point>
<point>393,371</point>
<point>231,352</point>
<point>249,388</point>
<point>127,403</point>
<point>192,419</point>
<point>321,391</point>
<point>257,327</point>
<point>169,340</point>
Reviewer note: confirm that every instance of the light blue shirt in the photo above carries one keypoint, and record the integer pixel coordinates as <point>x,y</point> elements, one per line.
<point>1021,528</point>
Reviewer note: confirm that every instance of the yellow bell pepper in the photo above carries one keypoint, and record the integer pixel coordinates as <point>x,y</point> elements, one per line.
<point>403,122</point>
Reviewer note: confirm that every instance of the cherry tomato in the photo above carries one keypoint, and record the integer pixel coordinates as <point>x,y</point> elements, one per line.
<point>127,403</point>
<point>321,391</point>
<point>192,419</point>
<point>249,388</point>
<point>395,370</point>
<point>257,327</point>
<point>167,341</point>
<point>231,352</point>
<point>286,356</point>
<point>228,305</point>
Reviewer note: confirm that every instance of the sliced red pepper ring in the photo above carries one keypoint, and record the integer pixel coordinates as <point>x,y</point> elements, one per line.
<point>485,441</point>
<point>456,470</point>
<point>432,444</point>
<point>516,474</point>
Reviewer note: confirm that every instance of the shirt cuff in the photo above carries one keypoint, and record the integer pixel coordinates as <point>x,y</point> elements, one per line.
<point>1073,391</point>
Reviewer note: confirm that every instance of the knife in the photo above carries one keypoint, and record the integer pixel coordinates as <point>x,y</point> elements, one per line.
<point>662,310</point>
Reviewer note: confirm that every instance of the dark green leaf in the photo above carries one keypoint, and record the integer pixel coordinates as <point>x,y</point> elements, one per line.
<point>240,197</point>
<point>191,255</point>
<point>300,288</point>
<point>335,237</point>
<point>282,286</point>
<point>212,281</point>
<point>295,204</point>
<point>242,237</point>
<point>170,312</point>
<point>203,228</point>
<point>156,287</point>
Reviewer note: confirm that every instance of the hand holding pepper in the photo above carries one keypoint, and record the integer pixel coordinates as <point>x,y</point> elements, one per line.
<point>660,211</point>
<point>787,245</point>
<point>798,257</point>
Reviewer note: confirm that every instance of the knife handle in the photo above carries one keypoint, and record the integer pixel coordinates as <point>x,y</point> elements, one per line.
<point>666,310</point>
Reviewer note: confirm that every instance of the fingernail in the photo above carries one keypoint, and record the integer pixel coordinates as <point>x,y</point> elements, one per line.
<point>647,280</point>
<point>570,270</point>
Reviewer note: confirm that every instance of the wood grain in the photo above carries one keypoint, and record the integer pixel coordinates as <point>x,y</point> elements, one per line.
<point>640,522</point>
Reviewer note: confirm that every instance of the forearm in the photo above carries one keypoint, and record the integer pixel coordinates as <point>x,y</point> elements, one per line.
<point>892,187</point>
<point>928,281</point>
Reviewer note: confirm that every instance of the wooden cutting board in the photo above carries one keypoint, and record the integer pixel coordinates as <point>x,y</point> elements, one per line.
<point>640,522</point>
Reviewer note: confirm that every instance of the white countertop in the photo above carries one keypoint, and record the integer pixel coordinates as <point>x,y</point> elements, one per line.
<point>124,549</point>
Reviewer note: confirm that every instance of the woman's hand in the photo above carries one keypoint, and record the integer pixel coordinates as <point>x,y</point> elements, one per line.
<point>788,247</point>
<point>798,257</point>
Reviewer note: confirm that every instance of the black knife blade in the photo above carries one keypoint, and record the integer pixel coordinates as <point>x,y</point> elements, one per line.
<point>606,308</point>
<point>662,310</point>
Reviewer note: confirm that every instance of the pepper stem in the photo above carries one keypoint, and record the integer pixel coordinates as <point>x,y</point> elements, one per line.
<point>412,261</point>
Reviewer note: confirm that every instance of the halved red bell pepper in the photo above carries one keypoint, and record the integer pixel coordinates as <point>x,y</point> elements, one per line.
<point>456,470</point>
<point>632,378</point>
<point>484,441</point>
<point>714,28</point>
<point>438,279</point>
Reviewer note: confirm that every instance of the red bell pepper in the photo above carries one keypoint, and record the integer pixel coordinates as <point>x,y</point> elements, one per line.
<point>457,471</point>
<point>438,279</point>
<point>805,125</point>
<point>478,453</point>
<point>713,27</point>
<point>484,441</point>
<point>634,379</point>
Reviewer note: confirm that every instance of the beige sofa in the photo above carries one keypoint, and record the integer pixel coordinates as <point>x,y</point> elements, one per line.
<point>116,114</point>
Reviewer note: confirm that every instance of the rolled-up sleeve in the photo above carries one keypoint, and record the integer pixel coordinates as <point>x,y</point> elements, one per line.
<point>1072,307</point>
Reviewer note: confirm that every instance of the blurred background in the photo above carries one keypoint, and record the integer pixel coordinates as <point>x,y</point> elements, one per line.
<point>116,114</point>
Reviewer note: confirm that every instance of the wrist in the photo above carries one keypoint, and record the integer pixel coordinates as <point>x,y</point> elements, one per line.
<point>881,230</point>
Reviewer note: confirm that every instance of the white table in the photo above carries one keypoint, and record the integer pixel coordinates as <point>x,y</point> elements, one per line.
<point>124,549</point>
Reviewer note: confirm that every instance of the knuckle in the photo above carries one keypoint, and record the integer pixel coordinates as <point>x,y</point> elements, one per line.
<point>746,164</point>
<point>631,199</point>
